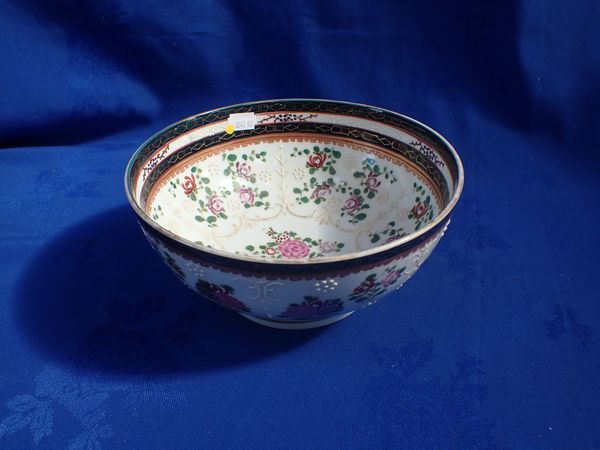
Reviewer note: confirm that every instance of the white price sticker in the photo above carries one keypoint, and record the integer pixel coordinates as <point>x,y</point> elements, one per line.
<point>241,121</point>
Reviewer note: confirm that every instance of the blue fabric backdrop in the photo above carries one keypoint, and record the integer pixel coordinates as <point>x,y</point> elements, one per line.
<point>493,344</point>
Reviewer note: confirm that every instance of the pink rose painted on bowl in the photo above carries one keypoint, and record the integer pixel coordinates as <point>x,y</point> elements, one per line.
<point>317,160</point>
<point>243,170</point>
<point>188,185</point>
<point>215,204</point>
<point>327,247</point>
<point>372,182</point>
<point>353,203</point>
<point>293,249</point>
<point>419,210</point>
<point>321,191</point>
<point>247,196</point>
<point>271,251</point>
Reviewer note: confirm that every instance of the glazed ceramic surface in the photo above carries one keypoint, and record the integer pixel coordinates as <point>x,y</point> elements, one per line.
<point>294,213</point>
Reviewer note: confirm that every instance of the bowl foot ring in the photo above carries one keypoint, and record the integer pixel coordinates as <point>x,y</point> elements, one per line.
<point>283,325</point>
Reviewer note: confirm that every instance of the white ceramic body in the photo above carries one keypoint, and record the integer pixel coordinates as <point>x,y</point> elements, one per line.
<point>270,286</point>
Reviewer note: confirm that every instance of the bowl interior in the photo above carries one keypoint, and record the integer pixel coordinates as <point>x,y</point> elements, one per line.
<point>303,192</point>
<point>293,197</point>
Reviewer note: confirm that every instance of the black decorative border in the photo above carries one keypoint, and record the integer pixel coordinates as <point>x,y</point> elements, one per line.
<point>308,106</point>
<point>331,130</point>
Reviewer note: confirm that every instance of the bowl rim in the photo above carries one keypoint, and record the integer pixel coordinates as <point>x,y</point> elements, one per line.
<point>442,215</point>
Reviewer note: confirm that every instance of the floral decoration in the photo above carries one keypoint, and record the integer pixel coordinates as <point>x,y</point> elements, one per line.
<point>372,287</point>
<point>369,178</point>
<point>422,210</point>
<point>312,308</point>
<point>196,186</point>
<point>391,233</point>
<point>289,245</point>
<point>221,294</point>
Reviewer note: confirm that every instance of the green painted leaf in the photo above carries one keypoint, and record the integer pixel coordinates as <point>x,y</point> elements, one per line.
<point>337,154</point>
<point>205,180</point>
<point>227,172</point>
<point>250,248</point>
<point>232,157</point>
<point>371,194</point>
<point>211,219</point>
<point>258,203</point>
<point>193,197</point>
<point>361,216</point>
<point>263,194</point>
<point>297,191</point>
<point>304,199</point>
<point>199,219</point>
<point>223,215</point>
<point>331,170</point>
<point>193,169</point>
<point>375,238</point>
<point>245,157</point>
<point>306,151</point>
<point>357,191</point>
<point>246,205</point>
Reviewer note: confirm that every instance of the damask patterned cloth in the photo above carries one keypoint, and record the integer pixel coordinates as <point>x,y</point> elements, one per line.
<point>494,343</point>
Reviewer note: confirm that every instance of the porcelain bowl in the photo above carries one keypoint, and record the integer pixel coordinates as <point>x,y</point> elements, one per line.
<point>294,213</point>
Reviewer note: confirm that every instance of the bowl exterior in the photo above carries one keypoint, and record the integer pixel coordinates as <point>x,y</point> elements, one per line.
<point>299,293</point>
